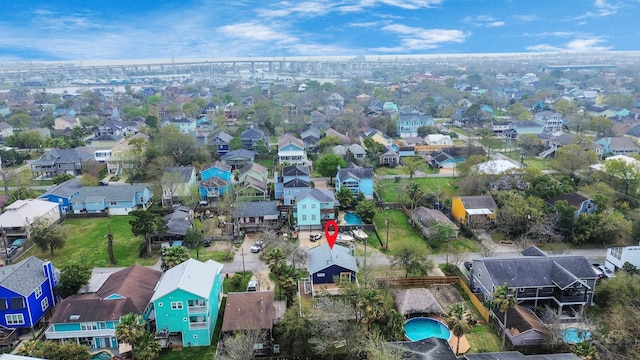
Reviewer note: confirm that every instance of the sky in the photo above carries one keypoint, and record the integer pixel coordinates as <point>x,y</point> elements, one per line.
<point>45,30</point>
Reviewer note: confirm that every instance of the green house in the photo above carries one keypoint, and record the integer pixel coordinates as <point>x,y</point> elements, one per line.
<point>186,302</point>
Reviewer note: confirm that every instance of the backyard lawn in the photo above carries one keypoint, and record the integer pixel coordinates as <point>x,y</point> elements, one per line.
<point>400,231</point>
<point>392,189</point>
<point>87,243</point>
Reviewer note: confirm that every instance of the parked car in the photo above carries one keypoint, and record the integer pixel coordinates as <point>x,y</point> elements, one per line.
<point>252,286</point>
<point>9,252</point>
<point>468,265</point>
<point>608,273</point>
<point>315,237</point>
<point>207,241</point>
<point>257,246</point>
<point>18,243</point>
<point>599,273</point>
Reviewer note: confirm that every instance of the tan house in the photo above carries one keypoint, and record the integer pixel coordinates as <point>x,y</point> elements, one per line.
<point>66,122</point>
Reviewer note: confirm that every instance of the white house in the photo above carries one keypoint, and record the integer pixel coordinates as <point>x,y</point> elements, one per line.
<point>438,139</point>
<point>618,255</point>
<point>20,215</point>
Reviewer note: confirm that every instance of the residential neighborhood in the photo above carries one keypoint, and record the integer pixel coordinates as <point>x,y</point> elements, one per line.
<point>496,204</point>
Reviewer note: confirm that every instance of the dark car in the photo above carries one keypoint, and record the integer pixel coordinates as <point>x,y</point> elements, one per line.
<point>468,265</point>
<point>207,242</point>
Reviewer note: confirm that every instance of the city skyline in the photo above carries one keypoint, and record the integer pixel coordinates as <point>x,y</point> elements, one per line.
<point>37,30</point>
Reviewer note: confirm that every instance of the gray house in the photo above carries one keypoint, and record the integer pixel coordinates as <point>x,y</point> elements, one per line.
<point>565,283</point>
<point>56,162</point>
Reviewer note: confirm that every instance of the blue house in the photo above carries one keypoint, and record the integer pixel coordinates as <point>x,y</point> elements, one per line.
<point>314,207</point>
<point>220,142</point>
<point>184,124</point>
<point>62,194</point>
<point>214,181</point>
<point>90,317</point>
<point>357,179</point>
<point>26,293</point>
<point>114,200</point>
<point>581,203</point>
<point>327,265</point>
<point>251,137</point>
<point>408,123</point>
<point>294,179</point>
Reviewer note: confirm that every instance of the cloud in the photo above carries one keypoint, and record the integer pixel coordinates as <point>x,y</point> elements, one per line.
<point>576,45</point>
<point>403,4</point>
<point>553,34</point>
<point>413,38</point>
<point>255,31</point>
<point>483,21</point>
<point>602,8</point>
<point>526,18</point>
<point>303,9</point>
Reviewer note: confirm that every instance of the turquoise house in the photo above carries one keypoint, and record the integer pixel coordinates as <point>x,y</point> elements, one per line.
<point>356,179</point>
<point>215,181</point>
<point>187,301</point>
<point>314,207</point>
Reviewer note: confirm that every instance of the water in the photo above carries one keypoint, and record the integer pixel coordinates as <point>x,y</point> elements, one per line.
<point>421,328</point>
<point>352,219</point>
<point>575,335</point>
<point>101,355</point>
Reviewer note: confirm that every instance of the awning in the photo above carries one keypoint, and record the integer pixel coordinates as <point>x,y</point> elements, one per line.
<point>479,212</point>
<point>123,348</point>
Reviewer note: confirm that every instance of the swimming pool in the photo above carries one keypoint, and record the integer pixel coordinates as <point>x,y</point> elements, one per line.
<point>421,328</point>
<point>102,355</point>
<point>351,218</point>
<point>574,335</point>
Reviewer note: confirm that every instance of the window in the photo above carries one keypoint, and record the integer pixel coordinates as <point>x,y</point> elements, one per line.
<point>38,291</point>
<point>14,319</point>
<point>345,277</point>
<point>304,206</point>
<point>176,305</point>
<point>195,336</point>
<point>313,217</point>
<point>313,206</point>
<point>44,304</point>
<point>196,302</point>
<point>3,304</point>
<point>89,326</point>
<point>17,303</point>
<point>114,203</point>
<point>320,275</point>
<point>304,217</point>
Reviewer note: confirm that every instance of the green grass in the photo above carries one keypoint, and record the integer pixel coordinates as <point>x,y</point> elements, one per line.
<point>385,170</point>
<point>390,188</point>
<point>482,339</point>
<point>400,231</point>
<point>87,243</point>
<point>194,352</point>
<point>227,287</point>
<point>202,255</point>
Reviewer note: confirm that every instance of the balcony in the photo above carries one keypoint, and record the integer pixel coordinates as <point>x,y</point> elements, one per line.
<point>198,325</point>
<point>50,333</point>
<point>197,309</point>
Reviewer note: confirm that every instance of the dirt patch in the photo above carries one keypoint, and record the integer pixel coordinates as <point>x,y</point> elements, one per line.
<point>446,295</point>
<point>262,277</point>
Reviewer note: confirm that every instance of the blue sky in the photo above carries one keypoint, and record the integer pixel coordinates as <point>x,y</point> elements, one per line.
<point>141,29</point>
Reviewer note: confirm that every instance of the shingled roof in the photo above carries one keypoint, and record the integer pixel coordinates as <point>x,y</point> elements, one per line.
<point>573,198</point>
<point>23,277</point>
<point>249,311</point>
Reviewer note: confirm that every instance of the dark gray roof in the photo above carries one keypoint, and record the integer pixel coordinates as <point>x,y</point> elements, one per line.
<point>532,251</point>
<point>223,136</point>
<point>108,193</point>
<point>24,277</point>
<point>65,189</point>
<point>214,182</point>
<point>428,349</point>
<point>320,195</point>
<point>355,172</point>
<point>478,202</point>
<point>252,134</point>
<point>65,156</point>
<point>573,198</point>
<point>298,170</point>
<point>296,183</point>
<point>106,137</point>
<point>177,222</point>
<point>516,355</point>
<point>426,216</point>
<point>532,271</point>
<point>634,131</point>
<point>258,208</point>
<point>239,153</point>
<point>185,172</point>
<point>222,166</point>
<point>322,257</point>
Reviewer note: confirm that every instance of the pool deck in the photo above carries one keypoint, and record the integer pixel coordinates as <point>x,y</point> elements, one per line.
<point>453,340</point>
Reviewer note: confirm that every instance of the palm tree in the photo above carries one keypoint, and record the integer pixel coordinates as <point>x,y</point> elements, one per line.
<point>459,320</point>
<point>130,330</point>
<point>148,348</point>
<point>503,300</point>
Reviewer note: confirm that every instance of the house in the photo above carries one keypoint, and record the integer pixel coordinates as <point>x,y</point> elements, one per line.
<point>497,167</point>
<point>251,138</point>
<point>314,207</point>
<point>429,218</point>
<point>628,160</point>
<point>62,194</point>
<point>177,182</point>
<point>291,151</point>
<point>551,122</point>
<point>255,171</point>
<point>220,143</point>
<point>339,150</point>
<point>114,200</point>
<point>524,328</point>
<point>238,158</point>
<point>581,203</point>
<point>215,181</point>
<point>177,224</point>
<point>184,124</point>
<point>6,130</point>
<point>617,256</point>
<point>56,162</point>
<point>326,265</point>
<point>431,348</point>
<point>119,154</point>
<point>438,140</point>
<point>187,300</point>
<point>525,127</point>
<point>443,160</point>
<point>377,136</point>
<point>563,282</point>
<point>473,208</point>
<point>252,189</point>
<point>413,140</point>
<point>389,157</point>
<point>343,137</point>
<point>20,215</point>
<point>310,136</point>
<point>294,179</point>
<point>90,318</point>
<point>555,143</point>
<point>27,293</point>
<point>256,216</point>
<point>254,310</point>
<point>66,122</point>
<point>618,145</point>
<point>409,123</point>
<point>357,179</point>
<point>357,151</point>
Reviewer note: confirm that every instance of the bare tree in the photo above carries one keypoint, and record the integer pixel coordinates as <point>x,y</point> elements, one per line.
<point>241,345</point>
<point>486,251</point>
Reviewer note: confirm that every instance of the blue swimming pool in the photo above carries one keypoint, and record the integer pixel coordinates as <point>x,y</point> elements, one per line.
<point>102,355</point>
<point>351,218</point>
<point>421,328</point>
<point>574,335</point>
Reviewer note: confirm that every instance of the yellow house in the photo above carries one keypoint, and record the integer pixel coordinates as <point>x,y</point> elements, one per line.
<point>465,207</point>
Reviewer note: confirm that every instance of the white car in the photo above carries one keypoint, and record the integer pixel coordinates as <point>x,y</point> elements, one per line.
<point>257,246</point>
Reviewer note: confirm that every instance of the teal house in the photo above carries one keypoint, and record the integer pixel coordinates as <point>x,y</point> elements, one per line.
<point>314,207</point>
<point>90,316</point>
<point>186,302</point>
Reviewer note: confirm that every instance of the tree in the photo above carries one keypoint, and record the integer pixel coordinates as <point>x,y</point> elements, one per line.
<point>130,330</point>
<point>345,197</point>
<point>328,165</point>
<point>623,176</point>
<point>54,350</point>
<point>173,256</point>
<point>46,237</point>
<point>439,233</point>
<point>503,300</point>
<point>413,259</point>
<point>414,193</point>
<point>62,178</point>
<point>459,320</point>
<point>182,148</point>
<point>366,209</point>
<point>146,224</point>
<point>573,157</point>
<point>241,345</point>
<point>73,277</point>
<point>147,347</point>
<point>414,164</point>
<point>294,331</point>
<point>328,142</point>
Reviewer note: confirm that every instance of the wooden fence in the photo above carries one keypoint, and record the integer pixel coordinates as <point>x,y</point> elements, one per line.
<point>474,300</point>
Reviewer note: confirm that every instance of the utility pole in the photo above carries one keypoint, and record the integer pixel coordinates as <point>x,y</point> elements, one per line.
<point>4,239</point>
<point>386,222</point>
<point>242,253</point>
<point>112,258</point>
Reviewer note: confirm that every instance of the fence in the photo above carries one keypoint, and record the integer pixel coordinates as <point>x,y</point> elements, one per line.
<point>474,300</point>
<point>86,215</point>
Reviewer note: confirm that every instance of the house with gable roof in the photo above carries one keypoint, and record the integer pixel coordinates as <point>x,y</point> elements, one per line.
<point>343,137</point>
<point>253,180</point>
<point>255,311</point>
<point>551,121</point>
<point>114,200</point>
<point>20,215</point>
<point>215,181</point>
<point>291,151</point>
<point>409,123</point>
<point>257,215</point>
<point>466,208</point>
<point>27,293</point>
<point>389,157</point>
<point>91,316</point>
<point>251,137</point>
<point>357,151</point>
<point>56,162</point>
<point>184,124</point>
<point>187,300</point>
<point>177,182</point>
<point>357,179</point>
<point>313,207</point>
<point>325,265</point>
<point>66,122</point>
<point>310,136</point>
<point>294,179</point>
<point>617,145</point>
<point>220,143</point>
<point>238,158</point>
<point>62,194</point>
<point>581,203</point>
